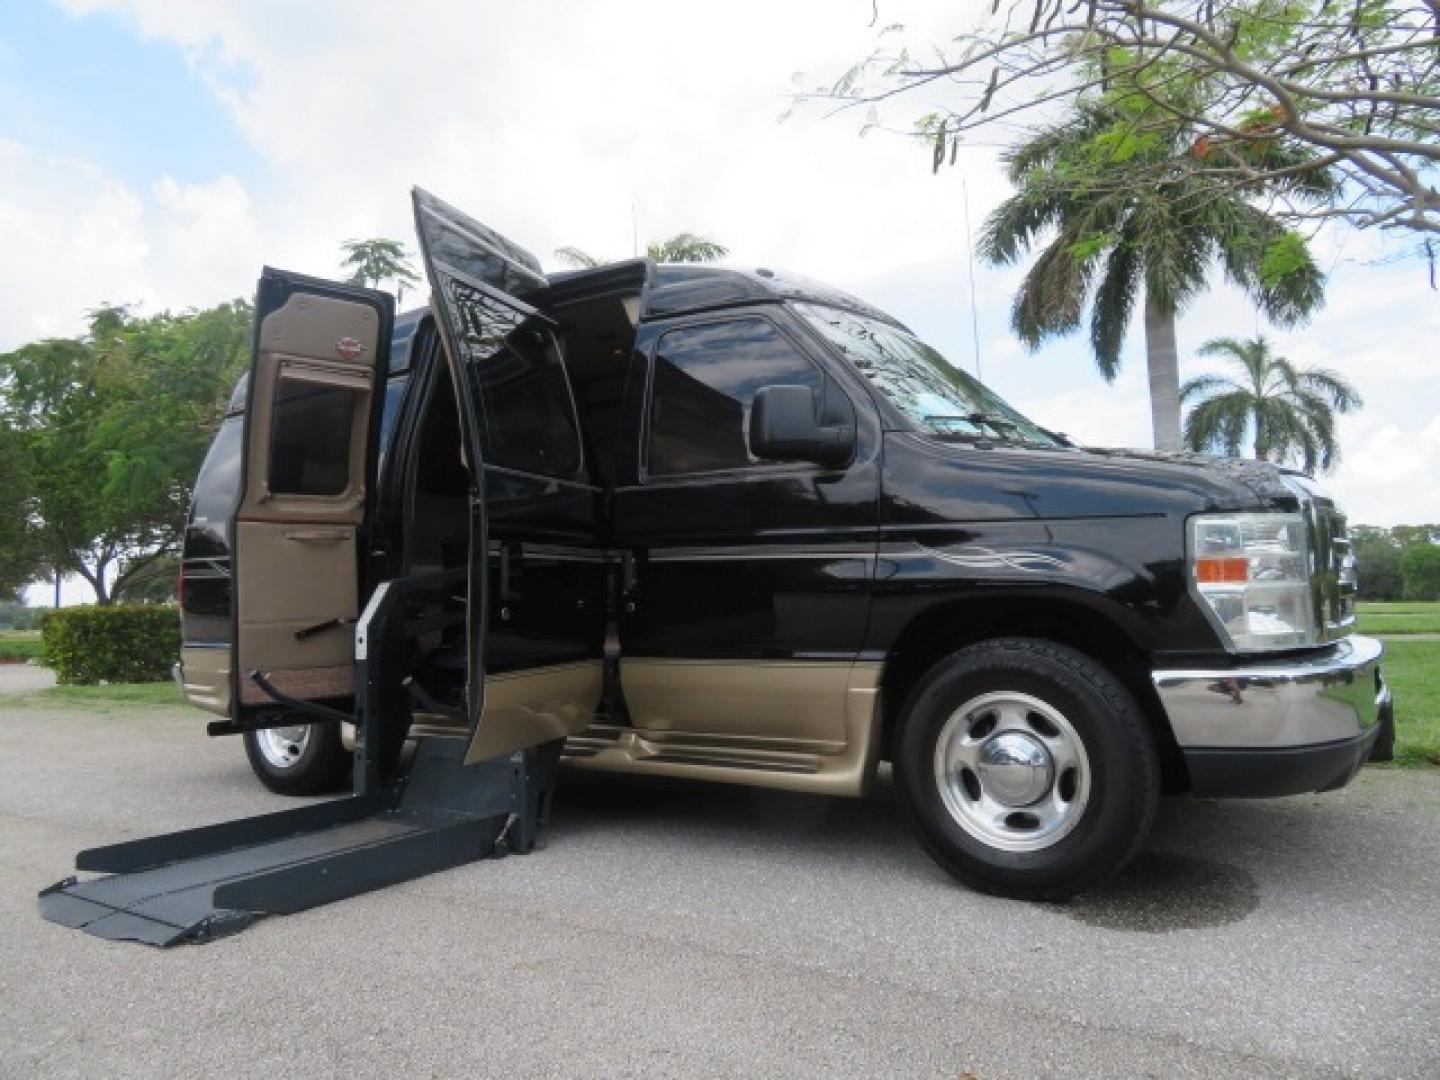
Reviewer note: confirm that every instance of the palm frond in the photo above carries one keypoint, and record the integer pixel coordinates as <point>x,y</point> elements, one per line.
<point>1051,298</point>
<point>1343,397</point>
<point>1228,347</point>
<point>1218,423</point>
<point>1113,304</point>
<point>1208,386</point>
<point>581,260</point>
<point>1013,227</point>
<point>686,247</point>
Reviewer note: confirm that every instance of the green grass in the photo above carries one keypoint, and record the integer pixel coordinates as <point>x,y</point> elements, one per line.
<point>1401,617</point>
<point>100,698</point>
<point>1412,668</point>
<point>16,647</point>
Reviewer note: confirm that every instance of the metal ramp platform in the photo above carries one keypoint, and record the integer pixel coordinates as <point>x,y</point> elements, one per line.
<point>204,883</point>
<point>200,884</point>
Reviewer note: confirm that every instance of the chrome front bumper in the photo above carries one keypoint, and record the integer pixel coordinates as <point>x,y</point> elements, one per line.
<point>1271,727</point>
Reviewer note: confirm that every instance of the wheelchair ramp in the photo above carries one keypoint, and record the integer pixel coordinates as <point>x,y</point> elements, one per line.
<point>206,883</point>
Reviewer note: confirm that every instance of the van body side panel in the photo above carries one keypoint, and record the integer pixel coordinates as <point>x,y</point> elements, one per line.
<point>977,529</point>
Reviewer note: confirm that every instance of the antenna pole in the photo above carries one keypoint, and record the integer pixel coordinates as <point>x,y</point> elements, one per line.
<point>970,253</point>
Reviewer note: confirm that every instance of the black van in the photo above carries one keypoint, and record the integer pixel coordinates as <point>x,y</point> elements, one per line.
<point>739,526</point>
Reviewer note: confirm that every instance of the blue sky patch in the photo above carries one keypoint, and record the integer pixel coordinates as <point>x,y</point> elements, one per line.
<point>90,88</point>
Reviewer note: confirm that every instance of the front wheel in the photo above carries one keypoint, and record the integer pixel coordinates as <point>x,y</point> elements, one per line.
<point>1027,769</point>
<point>306,759</point>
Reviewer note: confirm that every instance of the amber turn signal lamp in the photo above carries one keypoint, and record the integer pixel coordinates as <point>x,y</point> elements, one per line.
<point>1214,570</point>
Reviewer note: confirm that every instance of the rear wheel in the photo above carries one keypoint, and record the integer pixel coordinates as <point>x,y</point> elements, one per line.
<point>1027,769</point>
<point>306,759</point>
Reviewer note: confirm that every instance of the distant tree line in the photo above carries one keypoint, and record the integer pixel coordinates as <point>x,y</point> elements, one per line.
<point>14,615</point>
<point>101,436</point>
<point>1402,563</point>
<point>100,439</point>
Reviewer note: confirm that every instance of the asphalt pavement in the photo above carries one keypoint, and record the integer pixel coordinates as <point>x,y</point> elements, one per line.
<point>674,928</point>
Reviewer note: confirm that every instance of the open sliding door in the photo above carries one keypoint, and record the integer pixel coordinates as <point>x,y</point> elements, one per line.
<point>536,602</point>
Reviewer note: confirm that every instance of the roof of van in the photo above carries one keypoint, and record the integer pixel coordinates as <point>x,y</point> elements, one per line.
<point>682,288</point>
<point>669,289</point>
<point>674,289</point>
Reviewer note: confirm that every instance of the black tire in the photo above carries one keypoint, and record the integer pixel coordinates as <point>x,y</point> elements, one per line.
<point>1105,828</point>
<point>323,765</point>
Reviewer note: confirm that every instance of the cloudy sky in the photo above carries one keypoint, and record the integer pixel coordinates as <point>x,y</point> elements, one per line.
<point>158,153</point>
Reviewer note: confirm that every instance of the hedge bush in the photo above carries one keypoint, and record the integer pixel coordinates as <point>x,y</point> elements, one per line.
<point>1420,567</point>
<point>118,644</point>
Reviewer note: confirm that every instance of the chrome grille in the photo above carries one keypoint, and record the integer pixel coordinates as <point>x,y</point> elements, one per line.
<point>1334,570</point>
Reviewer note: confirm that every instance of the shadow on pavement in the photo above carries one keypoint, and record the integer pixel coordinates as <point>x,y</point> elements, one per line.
<point>1162,891</point>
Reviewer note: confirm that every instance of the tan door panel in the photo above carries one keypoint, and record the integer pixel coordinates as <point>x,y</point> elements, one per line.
<point>313,375</point>
<point>293,583</point>
<point>525,708</point>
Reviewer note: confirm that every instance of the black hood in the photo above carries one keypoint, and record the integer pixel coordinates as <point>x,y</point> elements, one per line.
<point>1264,480</point>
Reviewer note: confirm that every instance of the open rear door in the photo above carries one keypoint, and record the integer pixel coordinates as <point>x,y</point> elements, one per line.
<point>537,571</point>
<point>316,378</point>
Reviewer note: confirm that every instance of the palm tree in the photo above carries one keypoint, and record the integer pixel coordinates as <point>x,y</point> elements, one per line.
<point>378,260</point>
<point>686,247</point>
<point>1134,211</point>
<point>1286,413</point>
<point>683,247</point>
<point>579,258</point>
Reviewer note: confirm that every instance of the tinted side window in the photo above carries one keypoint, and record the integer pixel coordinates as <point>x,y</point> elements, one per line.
<point>704,381</point>
<point>529,421</point>
<point>218,484</point>
<point>310,440</point>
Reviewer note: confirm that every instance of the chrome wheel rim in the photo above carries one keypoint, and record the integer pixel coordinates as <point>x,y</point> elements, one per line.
<point>281,747</point>
<point>1012,771</point>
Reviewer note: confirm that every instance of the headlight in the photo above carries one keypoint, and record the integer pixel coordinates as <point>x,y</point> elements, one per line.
<point>1251,572</point>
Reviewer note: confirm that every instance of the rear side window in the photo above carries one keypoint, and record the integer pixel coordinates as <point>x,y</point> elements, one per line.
<point>529,419</point>
<point>705,379</point>
<point>310,441</point>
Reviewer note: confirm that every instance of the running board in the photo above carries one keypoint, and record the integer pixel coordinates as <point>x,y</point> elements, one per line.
<point>205,883</point>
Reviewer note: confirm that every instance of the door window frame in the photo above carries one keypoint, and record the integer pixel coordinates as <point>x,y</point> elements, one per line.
<point>759,469</point>
<point>580,476</point>
<point>309,373</point>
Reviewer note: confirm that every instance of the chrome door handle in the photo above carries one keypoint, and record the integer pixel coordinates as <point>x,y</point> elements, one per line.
<point>318,536</point>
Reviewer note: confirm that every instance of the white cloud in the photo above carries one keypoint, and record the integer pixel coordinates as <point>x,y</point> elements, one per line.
<point>563,123</point>
<point>209,233</point>
<point>1391,475</point>
<point>72,237</point>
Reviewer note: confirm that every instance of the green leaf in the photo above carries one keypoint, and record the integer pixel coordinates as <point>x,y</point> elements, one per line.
<point>1283,256</point>
<point>1088,247</point>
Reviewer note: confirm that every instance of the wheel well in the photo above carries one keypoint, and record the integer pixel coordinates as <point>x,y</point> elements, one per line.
<point>943,630</point>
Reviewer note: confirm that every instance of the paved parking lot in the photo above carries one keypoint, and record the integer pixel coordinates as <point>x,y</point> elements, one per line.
<point>676,928</point>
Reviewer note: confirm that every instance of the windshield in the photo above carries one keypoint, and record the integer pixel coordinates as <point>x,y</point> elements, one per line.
<point>927,388</point>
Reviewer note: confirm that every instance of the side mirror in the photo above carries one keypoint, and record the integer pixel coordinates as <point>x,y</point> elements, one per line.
<point>785,426</point>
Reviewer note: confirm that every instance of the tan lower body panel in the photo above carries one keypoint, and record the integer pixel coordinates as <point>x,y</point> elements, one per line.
<point>205,678</point>
<point>795,725</point>
<point>526,708</point>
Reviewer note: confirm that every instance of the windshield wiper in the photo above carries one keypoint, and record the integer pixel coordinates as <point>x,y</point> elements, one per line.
<point>997,423</point>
